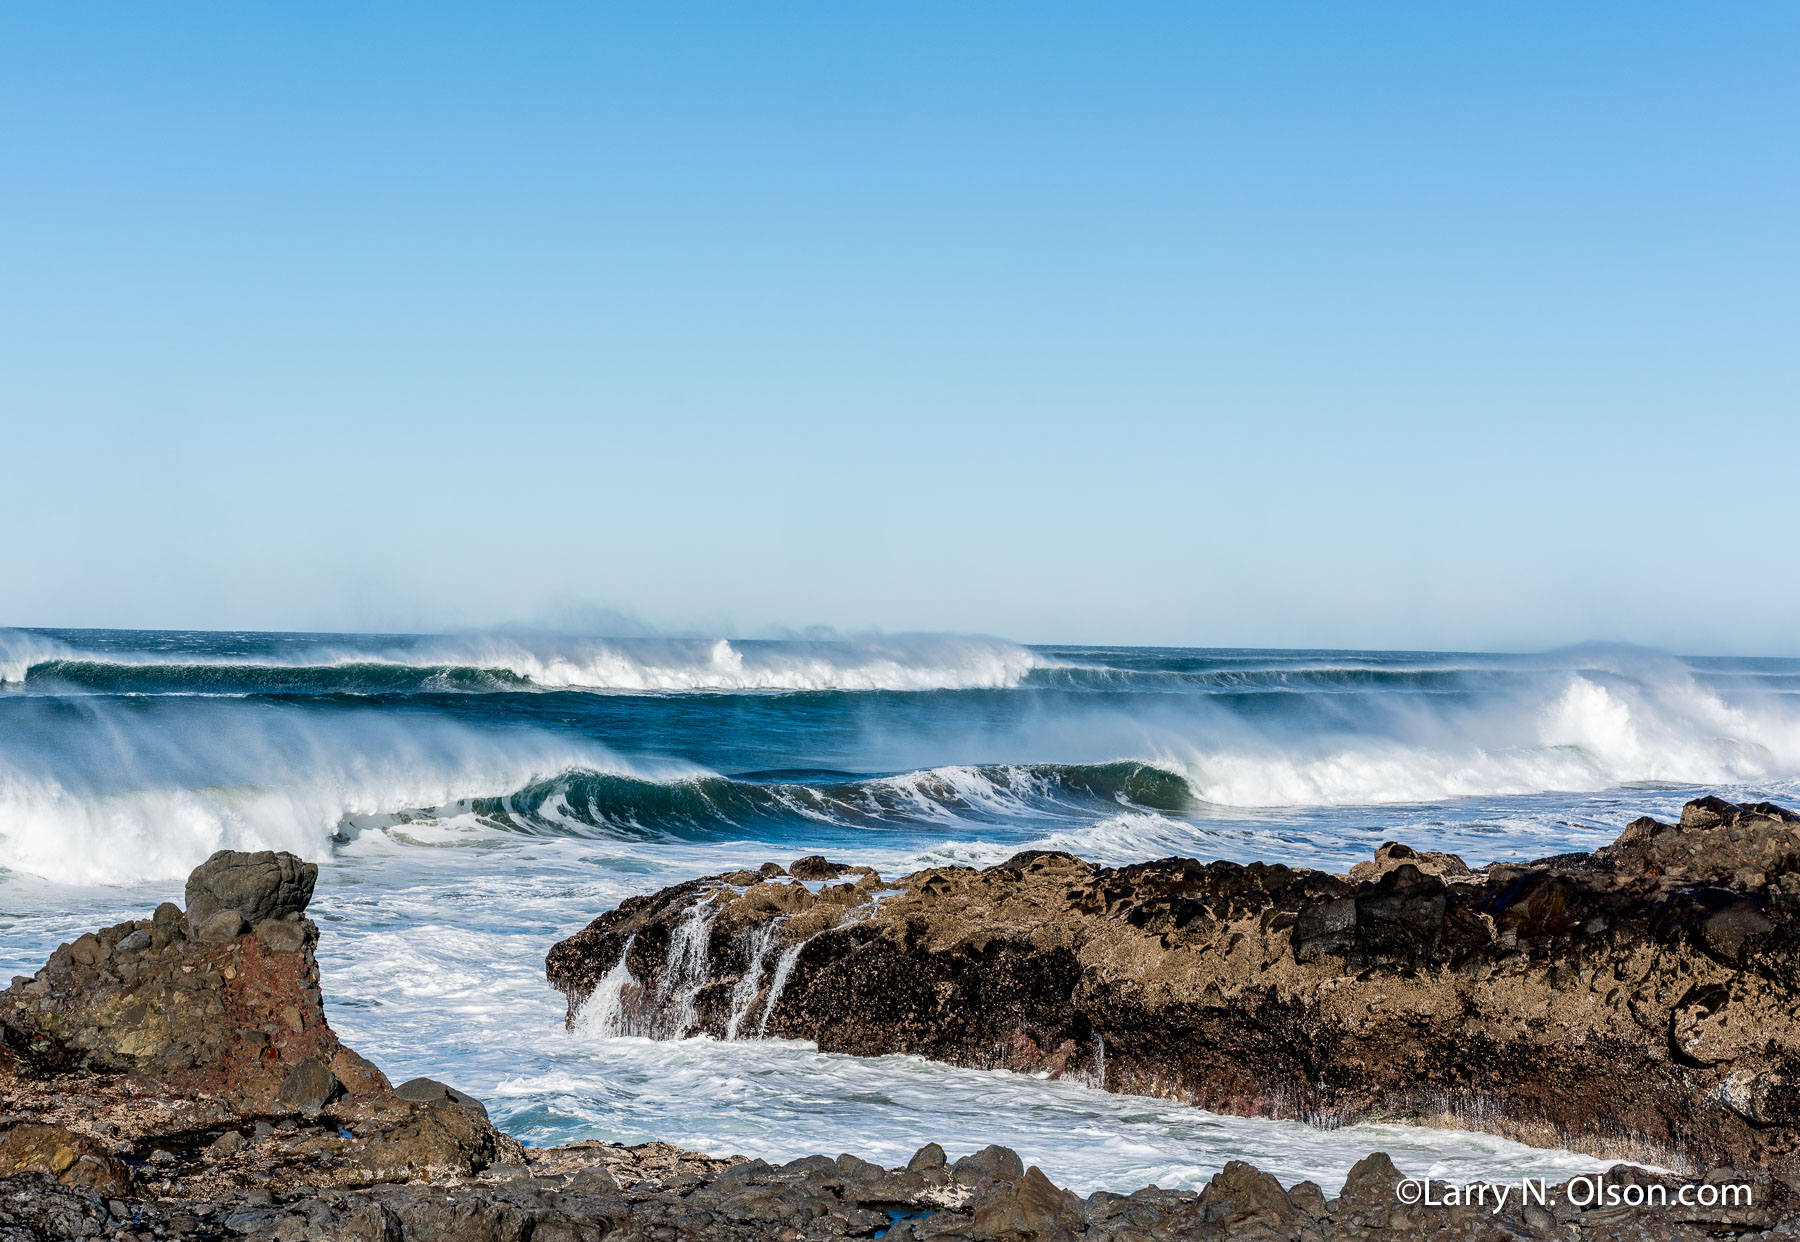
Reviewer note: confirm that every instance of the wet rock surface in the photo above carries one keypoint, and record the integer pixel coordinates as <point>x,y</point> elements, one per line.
<point>157,1085</point>
<point>1638,1002</point>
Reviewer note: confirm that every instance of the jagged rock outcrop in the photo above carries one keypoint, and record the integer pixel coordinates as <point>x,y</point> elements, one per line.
<point>179,1032</point>
<point>158,1084</point>
<point>1639,1001</point>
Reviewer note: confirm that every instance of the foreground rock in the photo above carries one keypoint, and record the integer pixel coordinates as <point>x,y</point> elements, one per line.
<point>174,1078</point>
<point>192,1049</point>
<point>598,1193</point>
<point>1638,1002</point>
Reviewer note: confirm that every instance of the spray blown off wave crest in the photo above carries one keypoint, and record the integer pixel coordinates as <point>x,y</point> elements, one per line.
<point>110,785</point>
<point>300,663</point>
<point>99,793</point>
<point>1555,730</point>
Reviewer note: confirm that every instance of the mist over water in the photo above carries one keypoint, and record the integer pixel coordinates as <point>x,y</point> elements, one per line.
<point>474,798</point>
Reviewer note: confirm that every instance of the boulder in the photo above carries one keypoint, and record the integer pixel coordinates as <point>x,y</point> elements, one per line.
<point>993,1161</point>
<point>219,927</point>
<point>1028,1208</point>
<point>260,885</point>
<point>310,1086</point>
<point>1240,1194</point>
<point>930,1156</point>
<point>431,1091</point>
<point>815,867</point>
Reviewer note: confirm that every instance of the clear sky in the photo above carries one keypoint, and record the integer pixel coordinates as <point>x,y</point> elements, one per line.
<point>1260,324</point>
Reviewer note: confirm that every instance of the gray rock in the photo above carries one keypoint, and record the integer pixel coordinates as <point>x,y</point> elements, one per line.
<point>263,885</point>
<point>310,1086</point>
<point>431,1091</point>
<point>282,935</point>
<point>592,1180</point>
<point>930,1156</point>
<point>856,1168</point>
<point>136,942</point>
<point>1540,1220</point>
<point>810,1164</point>
<point>219,927</point>
<point>229,1143</point>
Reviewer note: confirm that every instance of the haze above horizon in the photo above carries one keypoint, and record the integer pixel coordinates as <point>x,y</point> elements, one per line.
<point>1285,327</point>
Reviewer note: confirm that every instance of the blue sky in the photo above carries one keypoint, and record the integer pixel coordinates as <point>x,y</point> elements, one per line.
<point>1376,325</point>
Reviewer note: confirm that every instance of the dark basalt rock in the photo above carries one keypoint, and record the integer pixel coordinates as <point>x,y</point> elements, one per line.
<point>431,1091</point>
<point>154,1085</point>
<point>601,1193</point>
<point>1640,1001</point>
<point>262,885</point>
<point>310,1086</point>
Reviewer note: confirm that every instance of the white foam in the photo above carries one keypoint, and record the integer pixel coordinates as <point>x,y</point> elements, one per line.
<point>757,941</point>
<point>238,776</point>
<point>20,650</point>
<point>904,662</point>
<point>1563,730</point>
<point>602,1015</point>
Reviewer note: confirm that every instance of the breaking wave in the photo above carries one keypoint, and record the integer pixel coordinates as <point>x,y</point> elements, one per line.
<point>277,664</point>
<point>102,787</point>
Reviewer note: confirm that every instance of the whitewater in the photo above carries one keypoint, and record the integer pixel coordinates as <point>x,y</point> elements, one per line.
<point>473,798</point>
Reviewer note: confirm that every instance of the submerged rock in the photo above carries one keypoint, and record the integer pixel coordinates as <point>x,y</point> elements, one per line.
<point>1639,1001</point>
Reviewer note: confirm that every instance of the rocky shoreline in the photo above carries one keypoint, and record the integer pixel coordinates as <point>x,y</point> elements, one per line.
<point>175,1077</point>
<point>1635,1003</point>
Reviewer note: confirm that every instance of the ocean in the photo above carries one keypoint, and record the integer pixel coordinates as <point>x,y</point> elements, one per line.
<point>473,798</point>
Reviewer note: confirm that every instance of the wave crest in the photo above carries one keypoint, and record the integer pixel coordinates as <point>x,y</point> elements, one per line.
<point>299,664</point>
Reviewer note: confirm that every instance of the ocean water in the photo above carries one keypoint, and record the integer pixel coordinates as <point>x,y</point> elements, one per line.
<point>472,799</point>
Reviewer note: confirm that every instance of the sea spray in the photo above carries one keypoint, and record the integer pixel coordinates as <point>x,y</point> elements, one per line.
<point>603,1015</point>
<point>757,943</point>
<point>685,971</point>
<point>784,967</point>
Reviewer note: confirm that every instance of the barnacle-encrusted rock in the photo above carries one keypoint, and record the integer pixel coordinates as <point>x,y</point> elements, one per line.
<point>1640,1001</point>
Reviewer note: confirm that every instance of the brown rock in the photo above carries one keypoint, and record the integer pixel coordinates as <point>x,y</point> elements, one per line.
<point>814,867</point>
<point>1028,1208</point>
<point>1240,1194</point>
<point>72,1159</point>
<point>1641,1001</point>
